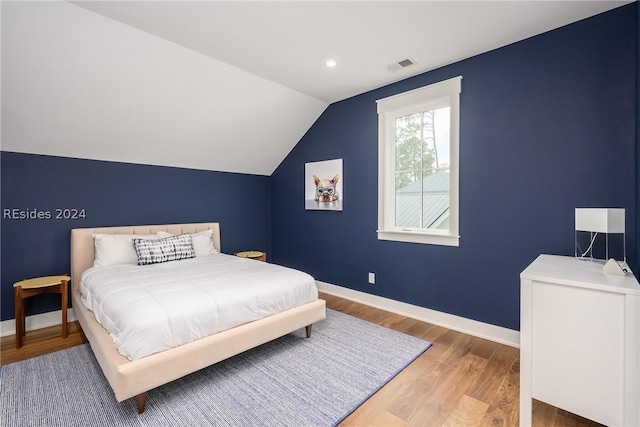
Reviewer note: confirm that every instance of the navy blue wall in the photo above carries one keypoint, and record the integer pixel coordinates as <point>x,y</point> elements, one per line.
<point>116,194</point>
<point>547,125</point>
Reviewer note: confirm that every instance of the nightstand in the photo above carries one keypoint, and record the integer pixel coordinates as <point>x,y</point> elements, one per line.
<point>256,255</point>
<point>40,285</point>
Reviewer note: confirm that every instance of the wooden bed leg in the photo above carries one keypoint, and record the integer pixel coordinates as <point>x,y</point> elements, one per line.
<point>308,330</point>
<point>140,400</point>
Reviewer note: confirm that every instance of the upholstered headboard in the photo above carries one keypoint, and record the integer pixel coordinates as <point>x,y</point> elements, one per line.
<point>83,250</point>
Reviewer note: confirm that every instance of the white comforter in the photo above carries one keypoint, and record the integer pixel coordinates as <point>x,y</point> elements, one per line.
<point>151,308</point>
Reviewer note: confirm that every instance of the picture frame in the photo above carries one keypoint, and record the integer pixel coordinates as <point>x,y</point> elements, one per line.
<point>324,185</point>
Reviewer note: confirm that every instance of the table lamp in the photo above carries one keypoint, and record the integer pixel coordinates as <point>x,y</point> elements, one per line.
<point>598,221</point>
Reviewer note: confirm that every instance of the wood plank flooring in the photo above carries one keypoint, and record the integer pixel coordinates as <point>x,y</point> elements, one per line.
<point>460,381</point>
<point>39,342</point>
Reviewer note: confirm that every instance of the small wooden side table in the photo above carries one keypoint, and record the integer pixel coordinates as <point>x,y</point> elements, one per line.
<point>40,285</point>
<point>256,255</point>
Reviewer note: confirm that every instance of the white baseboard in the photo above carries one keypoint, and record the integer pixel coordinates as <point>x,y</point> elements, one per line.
<point>37,321</point>
<point>494,333</point>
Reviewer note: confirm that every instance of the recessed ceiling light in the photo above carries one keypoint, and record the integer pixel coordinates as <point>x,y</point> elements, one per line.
<point>331,63</point>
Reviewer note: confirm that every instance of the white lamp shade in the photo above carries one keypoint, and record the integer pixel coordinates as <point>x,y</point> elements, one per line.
<point>600,220</point>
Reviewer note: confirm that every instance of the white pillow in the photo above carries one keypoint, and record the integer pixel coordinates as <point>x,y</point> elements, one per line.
<point>114,249</point>
<point>202,243</point>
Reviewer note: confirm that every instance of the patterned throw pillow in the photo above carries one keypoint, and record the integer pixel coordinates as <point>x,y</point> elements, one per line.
<point>169,249</point>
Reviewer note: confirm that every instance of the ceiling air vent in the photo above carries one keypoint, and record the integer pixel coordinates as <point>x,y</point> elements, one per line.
<point>408,62</point>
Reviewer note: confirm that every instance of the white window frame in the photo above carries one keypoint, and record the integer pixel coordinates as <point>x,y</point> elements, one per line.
<point>405,104</point>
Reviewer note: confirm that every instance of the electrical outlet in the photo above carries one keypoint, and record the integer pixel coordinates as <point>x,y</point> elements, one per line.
<point>372,278</point>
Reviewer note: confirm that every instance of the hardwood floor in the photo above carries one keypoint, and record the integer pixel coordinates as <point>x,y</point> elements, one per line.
<point>460,381</point>
<point>39,342</point>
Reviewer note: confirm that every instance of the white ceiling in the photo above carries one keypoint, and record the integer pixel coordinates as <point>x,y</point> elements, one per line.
<point>225,86</point>
<point>288,42</point>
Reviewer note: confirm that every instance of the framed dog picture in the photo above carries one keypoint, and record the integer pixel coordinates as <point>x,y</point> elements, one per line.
<point>323,185</point>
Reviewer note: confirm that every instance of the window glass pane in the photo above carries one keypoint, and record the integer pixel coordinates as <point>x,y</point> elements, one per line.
<point>422,169</point>
<point>408,187</point>
<point>429,157</point>
<point>408,143</point>
<point>405,180</point>
<point>442,120</point>
<point>435,131</point>
<point>435,199</point>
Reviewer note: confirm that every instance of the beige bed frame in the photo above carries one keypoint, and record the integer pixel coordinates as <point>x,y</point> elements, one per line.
<point>134,379</point>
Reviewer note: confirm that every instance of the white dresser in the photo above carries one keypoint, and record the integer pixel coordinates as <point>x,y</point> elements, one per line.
<point>580,340</point>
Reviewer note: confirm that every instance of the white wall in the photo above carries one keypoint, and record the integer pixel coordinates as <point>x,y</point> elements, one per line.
<point>78,84</point>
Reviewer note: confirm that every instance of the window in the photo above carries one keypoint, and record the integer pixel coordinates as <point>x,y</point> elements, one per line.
<point>418,166</point>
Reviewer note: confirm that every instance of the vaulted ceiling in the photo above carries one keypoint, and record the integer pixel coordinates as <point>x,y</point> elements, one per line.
<point>226,85</point>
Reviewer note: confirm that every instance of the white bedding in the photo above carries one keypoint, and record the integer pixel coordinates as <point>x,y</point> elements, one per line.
<point>151,308</point>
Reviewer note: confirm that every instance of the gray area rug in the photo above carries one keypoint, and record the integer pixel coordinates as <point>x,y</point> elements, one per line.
<point>291,381</point>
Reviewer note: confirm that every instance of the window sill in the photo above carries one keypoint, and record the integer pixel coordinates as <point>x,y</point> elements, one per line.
<point>423,238</point>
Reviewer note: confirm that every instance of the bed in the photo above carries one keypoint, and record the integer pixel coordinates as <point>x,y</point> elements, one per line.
<point>134,378</point>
